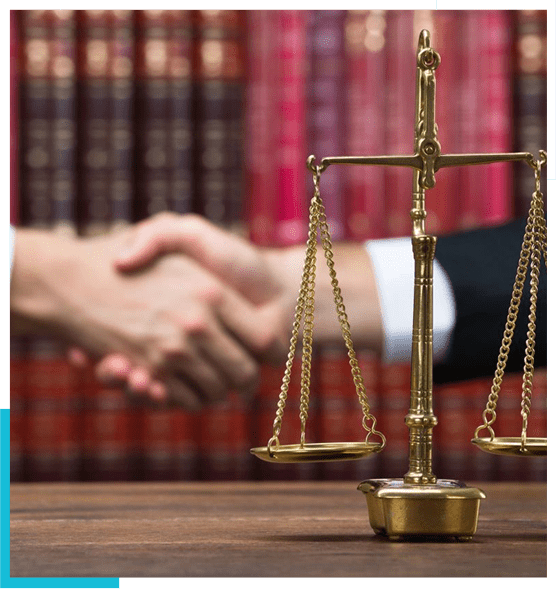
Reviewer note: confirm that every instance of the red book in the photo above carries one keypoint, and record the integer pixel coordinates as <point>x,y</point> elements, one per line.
<point>266,405</point>
<point>261,194</point>
<point>394,406</point>
<point>483,466</point>
<point>17,345</point>
<point>47,200</point>
<point>509,423</point>
<point>369,364</point>
<point>457,421</point>
<point>14,114</point>
<point>529,77</point>
<point>365,38</point>
<point>290,150</point>
<point>340,411</point>
<point>180,65</point>
<point>52,446</point>
<point>94,206</point>
<point>18,394</point>
<point>472,178</point>
<point>168,443</point>
<point>36,119</point>
<point>223,440</point>
<point>109,419</point>
<point>165,67</point>
<point>337,420</point>
<point>218,74</point>
<point>152,130</point>
<point>326,113</point>
<point>400,100</point>
<point>495,115</point>
<point>442,201</point>
<point>538,423</point>
<point>164,182</point>
<point>109,432</point>
<point>264,413</point>
<point>121,45</point>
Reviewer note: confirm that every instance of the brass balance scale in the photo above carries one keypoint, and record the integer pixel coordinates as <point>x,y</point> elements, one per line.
<point>420,504</point>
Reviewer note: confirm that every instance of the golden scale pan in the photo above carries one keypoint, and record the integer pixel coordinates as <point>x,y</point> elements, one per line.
<point>323,452</point>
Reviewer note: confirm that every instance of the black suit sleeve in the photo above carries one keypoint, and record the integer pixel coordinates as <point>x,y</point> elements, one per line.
<point>482,265</point>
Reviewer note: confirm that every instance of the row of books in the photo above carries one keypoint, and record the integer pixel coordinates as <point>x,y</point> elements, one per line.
<point>117,115</point>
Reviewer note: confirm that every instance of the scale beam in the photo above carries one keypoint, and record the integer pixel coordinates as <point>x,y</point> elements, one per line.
<point>416,161</point>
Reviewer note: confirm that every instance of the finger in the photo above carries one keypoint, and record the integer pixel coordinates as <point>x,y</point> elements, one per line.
<point>139,380</point>
<point>259,329</point>
<point>229,256</point>
<point>178,391</point>
<point>157,391</point>
<point>77,357</point>
<point>113,369</point>
<point>201,376</point>
<point>148,241</point>
<point>236,365</point>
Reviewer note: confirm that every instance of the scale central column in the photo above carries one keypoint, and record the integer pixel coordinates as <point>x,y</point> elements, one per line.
<point>420,420</point>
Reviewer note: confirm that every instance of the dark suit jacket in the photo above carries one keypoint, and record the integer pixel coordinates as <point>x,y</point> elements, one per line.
<point>482,265</point>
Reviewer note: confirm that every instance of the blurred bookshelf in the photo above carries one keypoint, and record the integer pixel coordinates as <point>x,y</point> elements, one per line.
<point>117,115</point>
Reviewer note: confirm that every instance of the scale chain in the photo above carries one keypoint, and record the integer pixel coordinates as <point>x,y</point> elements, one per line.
<point>305,310</point>
<point>533,247</point>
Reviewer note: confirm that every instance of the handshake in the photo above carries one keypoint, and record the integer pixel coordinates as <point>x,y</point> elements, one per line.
<point>176,308</point>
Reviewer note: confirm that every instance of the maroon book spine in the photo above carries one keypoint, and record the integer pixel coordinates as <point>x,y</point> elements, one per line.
<point>121,49</point>
<point>472,180</point>
<point>109,423</point>
<point>289,108</point>
<point>17,345</point>
<point>443,200</point>
<point>218,97</point>
<point>400,70</point>
<point>365,38</point>
<point>495,115</point>
<point>530,97</point>
<point>261,194</point>
<point>325,111</point>
<point>152,180</point>
<point>47,198</point>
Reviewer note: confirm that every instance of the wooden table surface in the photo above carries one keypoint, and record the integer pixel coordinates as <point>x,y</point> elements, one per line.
<point>257,529</point>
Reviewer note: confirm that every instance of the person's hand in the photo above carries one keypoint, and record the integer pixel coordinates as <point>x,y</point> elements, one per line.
<point>267,278</point>
<point>172,320</point>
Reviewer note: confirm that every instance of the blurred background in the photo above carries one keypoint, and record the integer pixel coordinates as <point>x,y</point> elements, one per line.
<point>117,115</point>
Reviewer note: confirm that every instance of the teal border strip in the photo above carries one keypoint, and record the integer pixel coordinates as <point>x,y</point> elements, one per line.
<point>36,582</point>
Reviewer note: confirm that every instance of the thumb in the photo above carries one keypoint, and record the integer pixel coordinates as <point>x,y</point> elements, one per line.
<point>234,260</point>
<point>146,242</point>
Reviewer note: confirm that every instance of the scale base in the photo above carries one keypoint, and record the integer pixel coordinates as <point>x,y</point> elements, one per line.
<point>447,509</point>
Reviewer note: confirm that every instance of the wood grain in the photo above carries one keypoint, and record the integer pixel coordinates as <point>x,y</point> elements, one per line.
<point>257,529</point>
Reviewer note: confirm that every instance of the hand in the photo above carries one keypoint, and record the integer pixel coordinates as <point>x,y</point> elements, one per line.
<point>172,320</point>
<point>268,280</point>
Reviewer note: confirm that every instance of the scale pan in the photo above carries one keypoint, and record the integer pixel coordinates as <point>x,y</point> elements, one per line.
<point>325,452</point>
<point>512,446</point>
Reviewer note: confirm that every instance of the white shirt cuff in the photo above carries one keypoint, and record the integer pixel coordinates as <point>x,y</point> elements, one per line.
<point>394,268</point>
